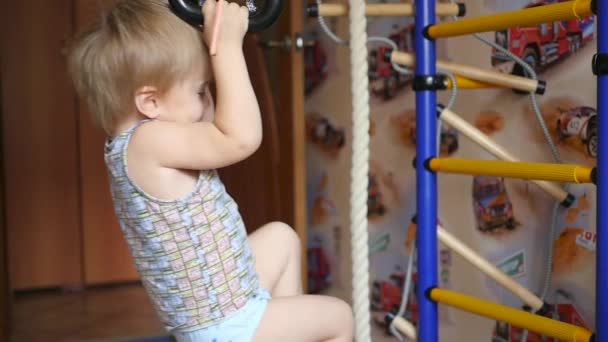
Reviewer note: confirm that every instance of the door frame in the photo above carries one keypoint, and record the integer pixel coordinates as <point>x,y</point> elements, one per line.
<point>291,120</point>
<point>5,291</point>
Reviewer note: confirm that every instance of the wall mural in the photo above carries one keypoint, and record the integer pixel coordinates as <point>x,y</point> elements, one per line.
<point>510,222</point>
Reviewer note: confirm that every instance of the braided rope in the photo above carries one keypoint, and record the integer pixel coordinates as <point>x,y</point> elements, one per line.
<point>360,169</point>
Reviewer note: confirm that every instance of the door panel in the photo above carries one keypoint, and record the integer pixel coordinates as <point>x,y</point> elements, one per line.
<point>106,256</point>
<point>40,146</point>
<point>4,288</point>
<point>292,123</point>
<point>289,96</point>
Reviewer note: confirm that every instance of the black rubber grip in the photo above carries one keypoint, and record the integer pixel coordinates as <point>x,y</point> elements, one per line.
<point>462,10</point>
<point>312,10</point>
<point>190,12</point>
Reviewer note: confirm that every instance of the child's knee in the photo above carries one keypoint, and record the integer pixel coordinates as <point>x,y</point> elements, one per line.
<point>344,314</point>
<point>287,235</point>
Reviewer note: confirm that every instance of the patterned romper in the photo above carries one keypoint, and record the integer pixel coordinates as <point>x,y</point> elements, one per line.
<point>192,254</point>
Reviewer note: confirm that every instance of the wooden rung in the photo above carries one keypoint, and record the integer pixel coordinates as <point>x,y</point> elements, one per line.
<point>481,75</point>
<point>397,10</point>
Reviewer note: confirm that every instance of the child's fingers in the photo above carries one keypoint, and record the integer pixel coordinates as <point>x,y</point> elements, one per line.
<point>244,12</point>
<point>216,27</point>
<point>209,7</point>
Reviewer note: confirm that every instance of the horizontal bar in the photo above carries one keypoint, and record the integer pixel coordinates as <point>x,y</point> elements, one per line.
<point>519,18</point>
<point>519,318</point>
<point>397,10</point>
<point>481,75</point>
<point>498,151</point>
<point>404,327</point>
<point>467,83</point>
<point>522,170</point>
<point>489,269</point>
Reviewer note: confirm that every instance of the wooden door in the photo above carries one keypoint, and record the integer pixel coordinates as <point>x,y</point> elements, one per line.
<point>4,285</point>
<point>40,144</point>
<point>105,253</point>
<point>289,95</point>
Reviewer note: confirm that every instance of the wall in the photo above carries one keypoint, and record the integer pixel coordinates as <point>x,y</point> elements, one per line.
<point>519,246</point>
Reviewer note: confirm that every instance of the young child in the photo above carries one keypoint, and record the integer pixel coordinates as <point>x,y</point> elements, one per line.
<point>146,76</point>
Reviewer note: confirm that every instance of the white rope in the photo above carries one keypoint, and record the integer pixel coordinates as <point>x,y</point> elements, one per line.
<point>359,169</point>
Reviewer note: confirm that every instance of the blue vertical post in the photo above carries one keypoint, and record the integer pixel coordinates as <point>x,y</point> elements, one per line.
<point>601,303</point>
<point>426,185</point>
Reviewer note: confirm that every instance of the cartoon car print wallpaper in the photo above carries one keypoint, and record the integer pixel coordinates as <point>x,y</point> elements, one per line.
<point>492,205</point>
<point>319,269</point>
<point>315,66</point>
<point>325,135</point>
<point>387,294</point>
<point>448,141</point>
<point>320,206</point>
<point>541,45</point>
<point>385,81</point>
<point>579,122</point>
<point>375,198</point>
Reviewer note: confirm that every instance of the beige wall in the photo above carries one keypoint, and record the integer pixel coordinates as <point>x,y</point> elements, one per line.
<point>570,84</point>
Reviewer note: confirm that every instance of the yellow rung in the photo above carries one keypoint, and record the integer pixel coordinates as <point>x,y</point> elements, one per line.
<point>467,83</point>
<point>519,318</point>
<point>524,17</point>
<point>538,171</point>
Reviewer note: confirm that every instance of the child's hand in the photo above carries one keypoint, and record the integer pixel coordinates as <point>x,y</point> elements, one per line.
<point>233,23</point>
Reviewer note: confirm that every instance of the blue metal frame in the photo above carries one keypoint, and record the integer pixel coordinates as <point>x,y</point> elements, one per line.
<point>601,301</point>
<point>426,185</point>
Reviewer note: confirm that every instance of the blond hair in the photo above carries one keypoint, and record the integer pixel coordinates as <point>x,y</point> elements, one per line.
<point>136,43</point>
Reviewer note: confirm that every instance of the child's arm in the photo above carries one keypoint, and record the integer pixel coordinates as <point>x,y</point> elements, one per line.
<point>236,132</point>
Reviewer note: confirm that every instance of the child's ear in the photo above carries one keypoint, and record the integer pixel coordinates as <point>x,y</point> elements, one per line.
<point>147,101</point>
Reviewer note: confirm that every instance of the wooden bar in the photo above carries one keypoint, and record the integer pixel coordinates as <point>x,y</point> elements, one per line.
<point>488,269</point>
<point>481,75</point>
<point>498,151</point>
<point>384,10</point>
<point>405,327</point>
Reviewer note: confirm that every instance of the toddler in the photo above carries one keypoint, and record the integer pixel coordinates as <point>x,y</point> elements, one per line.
<point>146,76</point>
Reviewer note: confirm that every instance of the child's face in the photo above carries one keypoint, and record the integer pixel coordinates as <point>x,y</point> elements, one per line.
<point>190,100</point>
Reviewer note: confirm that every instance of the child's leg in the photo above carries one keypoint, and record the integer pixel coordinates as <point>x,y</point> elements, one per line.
<point>276,248</point>
<point>306,318</point>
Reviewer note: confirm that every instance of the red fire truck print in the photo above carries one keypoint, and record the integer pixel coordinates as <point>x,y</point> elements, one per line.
<point>319,272</point>
<point>541,45</point>
<point>385,81</point>
<point>315,66</point>
<point>387,294</point>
